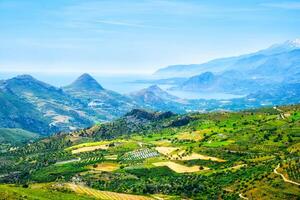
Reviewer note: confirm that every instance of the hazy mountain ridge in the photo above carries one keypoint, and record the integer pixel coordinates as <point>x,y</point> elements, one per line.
<point>231,82</point>
<point>244,74</point>
<point>155,98</point>
<point>242,63</point>
<point>38,107</point>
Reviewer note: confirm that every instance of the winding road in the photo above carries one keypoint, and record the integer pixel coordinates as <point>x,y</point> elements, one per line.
<point>283,177</point>
<point>281,112</point>
<point>242,197</point>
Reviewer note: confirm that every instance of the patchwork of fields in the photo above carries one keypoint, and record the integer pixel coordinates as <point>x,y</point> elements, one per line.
<point>214,156</point>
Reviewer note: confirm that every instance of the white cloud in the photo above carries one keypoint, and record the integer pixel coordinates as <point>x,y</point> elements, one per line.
<point>284,5</point>
<point>123,23</point>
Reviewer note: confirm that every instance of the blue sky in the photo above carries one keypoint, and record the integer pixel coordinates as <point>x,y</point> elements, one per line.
<point>109,36</point>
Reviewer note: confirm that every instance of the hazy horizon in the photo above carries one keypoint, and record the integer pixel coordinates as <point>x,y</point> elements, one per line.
<point>136,37</point>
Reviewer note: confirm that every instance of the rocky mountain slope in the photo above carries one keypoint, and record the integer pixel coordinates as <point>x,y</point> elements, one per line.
<point>16,112</point>
<point>55,109</point>
<point>105,104</point>
<point>33,105</point>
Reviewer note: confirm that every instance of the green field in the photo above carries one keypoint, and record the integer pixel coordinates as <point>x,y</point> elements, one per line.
<point>42,192</point>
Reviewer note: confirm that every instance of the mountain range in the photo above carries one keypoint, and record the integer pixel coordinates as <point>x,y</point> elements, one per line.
<point>245,74</point>
<point>33,105</point>
<point>38,107</point>
<point>284,56</point>
<point>265,78</point>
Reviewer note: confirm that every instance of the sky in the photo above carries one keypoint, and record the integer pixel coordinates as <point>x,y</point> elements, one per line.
<point>136,36</point>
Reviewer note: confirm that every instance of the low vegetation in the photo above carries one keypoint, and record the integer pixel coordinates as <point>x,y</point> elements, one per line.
<point>222,155</point>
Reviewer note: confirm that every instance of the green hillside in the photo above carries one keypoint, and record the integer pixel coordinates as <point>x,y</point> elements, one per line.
<point>42,191</point>
<point>18,113</point>
<point>16,136</point>
<point>250,154</point>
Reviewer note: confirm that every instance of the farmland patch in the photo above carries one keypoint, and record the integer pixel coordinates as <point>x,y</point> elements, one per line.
<point>179,168</point>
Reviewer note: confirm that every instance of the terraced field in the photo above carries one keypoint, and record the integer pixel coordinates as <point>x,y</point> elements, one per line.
<point>140,154</point>
<point>89,148</point>
<point>111,157</point>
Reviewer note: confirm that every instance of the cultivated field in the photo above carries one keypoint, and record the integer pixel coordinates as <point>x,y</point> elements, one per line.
<point>105,195</point>
<point>239,150</point>
<point>90,146</point>
<point>195,135</point>
<point>196,156</point>
<point>93,148</point>
<point>294,148</point>
<point>105,167</point>
<point>87,144</point>
<point>179,168</point>
<point>140,154</point>
<point>111,157</point>
<point>166,150</point>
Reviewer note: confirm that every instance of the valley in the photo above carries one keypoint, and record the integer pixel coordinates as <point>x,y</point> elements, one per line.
<point>157,155</point>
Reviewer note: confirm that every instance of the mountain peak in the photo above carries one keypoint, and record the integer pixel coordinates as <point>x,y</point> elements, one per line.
<point>154,88</point>
<point>154,95</point>
<point>294,43</point>
<point>288,45</point>
<point>25,77</point>
<point>197,82</point>
<point>26,82</point>
<point>85,76</point>
<point>86,82</point>
<point>142,114</point>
